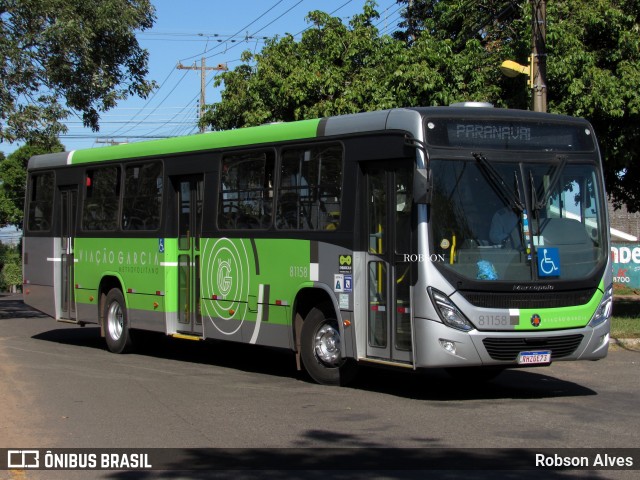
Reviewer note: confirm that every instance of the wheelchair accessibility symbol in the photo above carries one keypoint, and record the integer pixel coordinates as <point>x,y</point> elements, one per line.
<point>549,262</point>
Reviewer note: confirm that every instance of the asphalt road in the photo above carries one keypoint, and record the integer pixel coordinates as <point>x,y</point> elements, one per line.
<point>60,387</point>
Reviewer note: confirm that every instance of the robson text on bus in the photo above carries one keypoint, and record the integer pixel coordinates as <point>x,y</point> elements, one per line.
<point>471,239</point>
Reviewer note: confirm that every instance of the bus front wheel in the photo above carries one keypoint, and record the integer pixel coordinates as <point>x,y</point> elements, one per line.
<point>320,350</point>
<point>116,322</point>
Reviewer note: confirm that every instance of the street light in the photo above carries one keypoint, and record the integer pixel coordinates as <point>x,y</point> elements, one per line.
<point>512,69</point>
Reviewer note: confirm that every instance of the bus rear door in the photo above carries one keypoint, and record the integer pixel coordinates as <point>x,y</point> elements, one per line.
<point>68,209</point>
<point>190,191</point>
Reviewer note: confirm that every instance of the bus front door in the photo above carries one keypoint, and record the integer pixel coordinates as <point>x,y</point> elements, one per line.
<point>68,204</point>
<point>390,238</point>
<point>189,196</point>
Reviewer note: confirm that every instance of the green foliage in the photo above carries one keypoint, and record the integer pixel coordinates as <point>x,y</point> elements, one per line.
<point>10,267</point>
<point>594,72</point>
<point>451,51</point>
<point>13,176</point>
<point>337,69</point>
<point>64,56</point>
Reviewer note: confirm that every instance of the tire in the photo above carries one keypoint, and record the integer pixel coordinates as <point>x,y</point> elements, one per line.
<point>474,375</point>
<point>320,350</point>
<point>116,323</point>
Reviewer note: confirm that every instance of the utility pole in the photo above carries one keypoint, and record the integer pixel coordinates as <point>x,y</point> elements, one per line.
<point>539,56</point>
<point>411,36</point>
<point>203,80</point>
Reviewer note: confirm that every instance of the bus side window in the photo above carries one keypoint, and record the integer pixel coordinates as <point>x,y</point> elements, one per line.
<point>246,191</point>
<point>102,199</point>
<point>310,189</point>
<point>41,202</point>
<point>142,198</point>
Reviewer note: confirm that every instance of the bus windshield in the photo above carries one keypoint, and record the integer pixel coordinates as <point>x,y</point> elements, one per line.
<point>517,221</point>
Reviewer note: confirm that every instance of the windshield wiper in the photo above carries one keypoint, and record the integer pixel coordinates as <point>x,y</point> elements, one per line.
<point>538,205</point>
<point>553,181</point>
<point>535,204</point>
<point>510,197</point>
<point>513,198</point>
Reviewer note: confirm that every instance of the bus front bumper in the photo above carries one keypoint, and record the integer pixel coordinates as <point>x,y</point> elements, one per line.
<point>440,346</point>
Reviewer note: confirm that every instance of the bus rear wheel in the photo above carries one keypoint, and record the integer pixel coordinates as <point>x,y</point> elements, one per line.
<point>320,350</point>
<point>116,323</point>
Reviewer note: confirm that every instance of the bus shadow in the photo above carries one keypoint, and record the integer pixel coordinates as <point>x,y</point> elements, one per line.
<point>243,357</point>
<point>433,384</point>
<point>437,385</point>
<point>12,307</point>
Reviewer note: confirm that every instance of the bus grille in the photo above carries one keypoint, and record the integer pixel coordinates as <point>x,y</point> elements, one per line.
<point>507,349</point>
<point>528,300</point>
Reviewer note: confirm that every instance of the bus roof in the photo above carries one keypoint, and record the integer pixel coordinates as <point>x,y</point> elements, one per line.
<point>407,119</point>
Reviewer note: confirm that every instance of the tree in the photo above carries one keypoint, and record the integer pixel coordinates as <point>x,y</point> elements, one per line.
<point>59,57</point>
<point>593,65</point>
<point>451,51</point>
<point>492,22</point>
<point>13,176</point>
<point>10,268</point>
<point>593,71</point>
<point>336,69</point>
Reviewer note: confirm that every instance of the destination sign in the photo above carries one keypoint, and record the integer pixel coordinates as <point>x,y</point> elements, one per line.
<point>493,132</point>
<point>509,135</point>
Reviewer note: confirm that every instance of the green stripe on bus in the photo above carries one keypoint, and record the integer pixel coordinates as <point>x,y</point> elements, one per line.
<point>558,318</point>
<point>277,132</point>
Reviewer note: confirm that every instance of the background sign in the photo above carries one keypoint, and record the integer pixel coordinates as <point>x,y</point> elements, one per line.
<point>626,264</point>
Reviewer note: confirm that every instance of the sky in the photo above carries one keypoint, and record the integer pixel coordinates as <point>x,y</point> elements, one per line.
<point>185,31</point>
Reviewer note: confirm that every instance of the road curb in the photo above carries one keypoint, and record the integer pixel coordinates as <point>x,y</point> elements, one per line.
<point>626,343</point>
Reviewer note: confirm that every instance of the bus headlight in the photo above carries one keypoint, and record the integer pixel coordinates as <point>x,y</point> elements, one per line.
<point>603,312</point>
<point>448,312</point>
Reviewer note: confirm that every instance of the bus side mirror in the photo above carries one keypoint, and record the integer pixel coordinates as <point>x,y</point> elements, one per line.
<point>422,186</point>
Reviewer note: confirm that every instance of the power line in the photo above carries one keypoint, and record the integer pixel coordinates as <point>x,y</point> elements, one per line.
<point>149,100</point>
<point>239,31</point>
<point>163,100</point>
<point>278,18</point>
<point>229,39</point>
<point>178,123</point>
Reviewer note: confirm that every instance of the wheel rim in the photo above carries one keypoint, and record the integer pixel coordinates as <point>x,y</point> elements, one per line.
<point>327,345</point>
<point>115,321</point>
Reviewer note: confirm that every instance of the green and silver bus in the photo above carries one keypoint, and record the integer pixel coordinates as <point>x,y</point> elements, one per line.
<point>471,239</point>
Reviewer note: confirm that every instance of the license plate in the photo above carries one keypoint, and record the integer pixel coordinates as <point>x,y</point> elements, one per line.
<point>534,358</point>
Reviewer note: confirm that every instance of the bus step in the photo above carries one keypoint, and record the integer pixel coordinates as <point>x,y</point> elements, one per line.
<point>389,363</point>
<point>187,336</point>
<point>68,320</point>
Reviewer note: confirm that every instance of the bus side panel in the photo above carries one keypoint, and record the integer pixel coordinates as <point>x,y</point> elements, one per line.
<point>237,293</point>
<point>137,263</point>
<point>41,273</point>
<point>147,319</point>
<point>249,286</point>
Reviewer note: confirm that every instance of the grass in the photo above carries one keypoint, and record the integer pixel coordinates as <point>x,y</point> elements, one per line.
<point>622,289</point>
<point>623,327</point>
<point>625,322</point>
